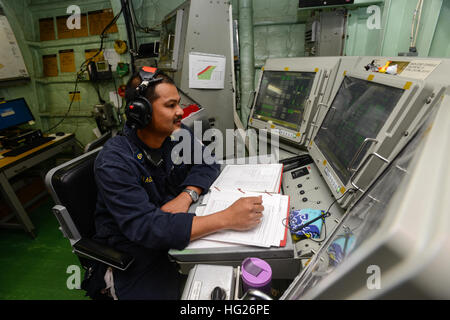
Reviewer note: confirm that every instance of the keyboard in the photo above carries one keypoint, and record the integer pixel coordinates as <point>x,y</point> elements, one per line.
<point>33,144</point>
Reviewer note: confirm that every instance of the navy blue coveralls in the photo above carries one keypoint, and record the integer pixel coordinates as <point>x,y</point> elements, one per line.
<point>131,191</point>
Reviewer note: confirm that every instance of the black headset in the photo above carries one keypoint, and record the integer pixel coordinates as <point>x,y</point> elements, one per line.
<point>139,110</point>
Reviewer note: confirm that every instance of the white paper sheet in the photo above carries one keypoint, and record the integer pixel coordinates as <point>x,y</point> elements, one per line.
<point>112,57</point>
<point>250,177</point>
<point>267,233</point>
<point>206,71</point>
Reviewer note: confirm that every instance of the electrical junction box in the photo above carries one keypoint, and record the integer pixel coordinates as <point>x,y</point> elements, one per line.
<point>203,278</point>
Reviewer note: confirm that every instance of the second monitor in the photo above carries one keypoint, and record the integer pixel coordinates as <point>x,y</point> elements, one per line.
<point>282,97</point>
<point>288,97</point>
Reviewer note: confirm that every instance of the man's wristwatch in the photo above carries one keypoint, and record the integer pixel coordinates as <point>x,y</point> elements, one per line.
<point>192,193</point>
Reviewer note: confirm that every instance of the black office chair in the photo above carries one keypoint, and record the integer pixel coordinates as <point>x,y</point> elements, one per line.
<point>73,188</point>
<point>100,141</point>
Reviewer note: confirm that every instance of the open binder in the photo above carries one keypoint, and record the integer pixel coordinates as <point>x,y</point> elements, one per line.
<point>238,181</point>
<point>250,178</point>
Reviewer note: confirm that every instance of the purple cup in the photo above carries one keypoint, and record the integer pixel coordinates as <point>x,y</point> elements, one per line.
<point>256,274</point>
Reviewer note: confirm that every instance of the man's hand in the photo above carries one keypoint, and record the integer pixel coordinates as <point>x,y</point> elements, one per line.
<point>244,213</point>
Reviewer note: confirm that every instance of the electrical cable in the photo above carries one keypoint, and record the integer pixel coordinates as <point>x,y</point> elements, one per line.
<point>80,144</point>
<point>68,110</point>
<point>411,37</point>
<point>418,23</point>
<point>323,216</point>
<point>416,19</point>
<point>84,65</point>
<point>138,25</point>
<point>102,37</point>
<point>97,89</point>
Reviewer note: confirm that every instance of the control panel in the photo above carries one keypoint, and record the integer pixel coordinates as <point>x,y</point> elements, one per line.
<point>307,189</point>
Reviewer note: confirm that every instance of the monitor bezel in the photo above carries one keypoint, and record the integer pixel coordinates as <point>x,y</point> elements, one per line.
<point>19,124</point>
<point>297,137</point>
<point>411,88</point>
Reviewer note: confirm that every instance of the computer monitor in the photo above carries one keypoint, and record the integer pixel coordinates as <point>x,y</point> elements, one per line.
<point>282,96</point>
<point>14,113</point>
<point>367,123</point>
<point>289,95</point>
<point>281,102</point>
<point>359,111</point>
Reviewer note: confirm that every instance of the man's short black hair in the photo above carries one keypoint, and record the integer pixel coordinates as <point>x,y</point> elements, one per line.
<point>135,81</point>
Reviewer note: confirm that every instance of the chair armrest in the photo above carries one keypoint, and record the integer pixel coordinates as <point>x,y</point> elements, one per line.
<point>102,253</point>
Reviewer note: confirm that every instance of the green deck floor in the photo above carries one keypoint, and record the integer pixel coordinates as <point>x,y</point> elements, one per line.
<point>35,269</point>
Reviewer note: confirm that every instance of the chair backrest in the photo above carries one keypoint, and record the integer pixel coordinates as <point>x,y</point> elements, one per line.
<point>73,186</point>
<point>98,142</point>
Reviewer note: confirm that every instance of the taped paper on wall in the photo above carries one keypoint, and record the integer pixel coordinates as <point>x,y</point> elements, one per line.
<point>206,71</point>
<point>112,57</point>
<point>12,65</point>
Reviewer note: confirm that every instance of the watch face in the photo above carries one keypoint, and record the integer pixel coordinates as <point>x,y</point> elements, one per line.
<point>192,193</point>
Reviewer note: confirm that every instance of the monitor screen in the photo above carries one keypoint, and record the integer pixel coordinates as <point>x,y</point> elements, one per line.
<point>282,96</point>
<point>359,111</point>
<point>14,113</point>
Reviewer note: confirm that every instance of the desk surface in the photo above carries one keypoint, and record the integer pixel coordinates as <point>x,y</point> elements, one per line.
<point>8,161</point>
<point>217,251</point>
<point>12,166</point>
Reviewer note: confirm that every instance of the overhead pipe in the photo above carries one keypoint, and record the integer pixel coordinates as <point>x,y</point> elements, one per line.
<point>130,32</point>
<point>247,64</point>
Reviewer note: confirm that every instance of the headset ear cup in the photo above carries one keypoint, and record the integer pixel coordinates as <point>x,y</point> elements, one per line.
<point>149,112</point>
<point>139,113</point>
<point>146,111</point>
